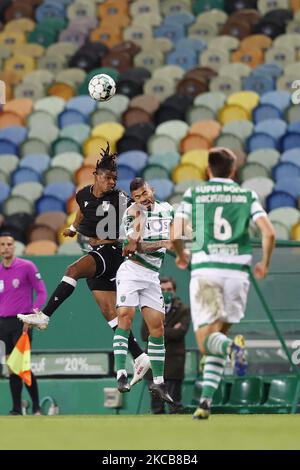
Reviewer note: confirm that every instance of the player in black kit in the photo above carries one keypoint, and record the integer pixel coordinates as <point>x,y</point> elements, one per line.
<point>101,207</point>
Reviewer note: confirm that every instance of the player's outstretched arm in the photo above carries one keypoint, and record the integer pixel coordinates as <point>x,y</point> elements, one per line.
<point>72,230</point>
<point>268,243</point>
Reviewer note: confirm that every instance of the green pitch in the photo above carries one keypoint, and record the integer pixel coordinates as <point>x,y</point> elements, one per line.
<point>151,432</point>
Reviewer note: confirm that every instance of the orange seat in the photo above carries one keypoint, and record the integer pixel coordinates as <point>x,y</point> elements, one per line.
<point>193,142</point>
<point>208,129</point>
<point>107,35</point>
<point>295,5</point>
<point>257,41</point>
<point>148,103</point>
<point>85,175</point>
<point>8,119</point>
<point>62,90</point>
<point>11,78</point>
<point>91,160</point>
<point>41,248</point>
<point>251,57</point>
<point>21,106</point>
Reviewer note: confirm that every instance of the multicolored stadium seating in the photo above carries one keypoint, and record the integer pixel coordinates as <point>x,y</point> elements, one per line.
<point>191,74</point>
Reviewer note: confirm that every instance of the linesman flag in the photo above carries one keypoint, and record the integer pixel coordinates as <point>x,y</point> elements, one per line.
<point>19,359</point>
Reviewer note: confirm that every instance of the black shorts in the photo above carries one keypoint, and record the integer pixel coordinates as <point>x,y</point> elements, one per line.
<point>108,260</point>
<point>10,331</point>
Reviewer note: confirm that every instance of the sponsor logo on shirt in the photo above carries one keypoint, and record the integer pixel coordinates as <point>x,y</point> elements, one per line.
<point>105,205</point>
<point>86,203</point>
<point>38,276</point>
<point>1,285</point>
<point>16,283</point>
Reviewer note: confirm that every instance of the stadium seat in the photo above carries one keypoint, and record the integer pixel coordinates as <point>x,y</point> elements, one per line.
<point>281,395</point>
<point>38,163</point>
<point>29,190</point>
<point>41,248</point>
<point>16,204</point>
<point>163,188</point>
<point>285,170</point>
<point>134,159</point>
<point>49,204</point>
<point>278,199</point>
<point>54,220</point>
<point>246,395</point>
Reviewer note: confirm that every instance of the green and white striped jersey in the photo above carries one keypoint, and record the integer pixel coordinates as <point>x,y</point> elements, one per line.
<point>220,212</point>
<point>156,226</point>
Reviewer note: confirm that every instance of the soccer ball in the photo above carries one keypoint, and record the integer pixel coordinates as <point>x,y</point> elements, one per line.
<point>102,87</point>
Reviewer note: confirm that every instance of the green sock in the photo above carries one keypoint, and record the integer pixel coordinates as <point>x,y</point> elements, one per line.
<point>217,344</point>
<point>212,374</point>
<point>120,346</point>
<point>156,353</point>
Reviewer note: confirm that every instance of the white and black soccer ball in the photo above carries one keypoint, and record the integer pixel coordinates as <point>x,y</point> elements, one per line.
<point>102,87</point>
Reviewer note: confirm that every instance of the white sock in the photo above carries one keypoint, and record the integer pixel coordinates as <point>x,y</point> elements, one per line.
<point>121,372</point>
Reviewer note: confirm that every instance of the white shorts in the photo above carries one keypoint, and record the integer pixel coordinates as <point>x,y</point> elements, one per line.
<point>138,287</point>
<point>217,298</point>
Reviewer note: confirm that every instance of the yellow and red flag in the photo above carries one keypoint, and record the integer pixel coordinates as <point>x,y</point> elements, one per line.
<point>19,359</point>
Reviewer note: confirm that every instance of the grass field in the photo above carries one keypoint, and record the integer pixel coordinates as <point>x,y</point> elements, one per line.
<point>151,432</point>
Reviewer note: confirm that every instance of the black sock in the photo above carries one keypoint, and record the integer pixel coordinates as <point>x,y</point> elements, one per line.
<point>15,383</point>
<point>34,393</point>
<point>61,293</point>
<point>133,345</point>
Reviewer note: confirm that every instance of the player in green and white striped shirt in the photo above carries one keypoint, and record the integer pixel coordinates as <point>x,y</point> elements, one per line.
<point>147,225</point>
<point>219,213</point>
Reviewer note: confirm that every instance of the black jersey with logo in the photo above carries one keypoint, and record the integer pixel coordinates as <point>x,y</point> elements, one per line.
<point>103,215</point>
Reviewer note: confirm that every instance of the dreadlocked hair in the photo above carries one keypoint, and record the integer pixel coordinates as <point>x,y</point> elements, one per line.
<point>108,161</point>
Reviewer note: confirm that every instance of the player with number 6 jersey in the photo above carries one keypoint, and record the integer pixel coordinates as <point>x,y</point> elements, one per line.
<point>219,213</point>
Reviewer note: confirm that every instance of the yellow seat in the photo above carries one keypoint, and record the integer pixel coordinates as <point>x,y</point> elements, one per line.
<point>32,50</point>
<point>111,131</point>
<point>233,113</point>
<point>198,158</point>
<point>295,232</point>
<point>246,99</point>
<point>25,25</point>
<point>12,39</point>
<point>93,145</point>
<point>184,172</point>
<point>20,64</point>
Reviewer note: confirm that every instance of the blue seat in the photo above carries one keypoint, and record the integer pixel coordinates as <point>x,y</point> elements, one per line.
<point>195,44</point>
<point>163,188</point>
<point>71,116</point>
<point>291,140</point>
<point>184,58</point>
<point>292,156</point>
<point>285,170</point>
<point>4,191</point>
<point>24,175</point>
<point>280,99</point>
<point>294,127</point>
<point>259,83</point>
<point>37,162</point>
<point>62,190</point>
<point>135,159</point>
<point>266,111</point>
<point>184,17</point>
<point>8,147</point>
<point>261,140</point>
<point>290,186</point>
<point>172,31</point>
<point>276,128</point>
<point>83,104</point>
<point>124,185</point>
<point>278,199</point>
<point>16,134</point>
<point>272,70</point>
<point>49,204</point>
<point>126,172</point>
<point>49,8</point>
